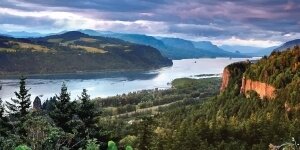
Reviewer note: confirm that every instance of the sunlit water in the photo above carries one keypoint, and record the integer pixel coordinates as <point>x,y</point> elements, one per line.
<point>110,84</point>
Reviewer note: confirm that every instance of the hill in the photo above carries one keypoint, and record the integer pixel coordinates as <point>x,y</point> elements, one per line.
<point>72,52</point>
<point>176,50</point>
<point>23,34</point>
<point>237,118</point>
<point>249,50</point>
<point>288,45</point>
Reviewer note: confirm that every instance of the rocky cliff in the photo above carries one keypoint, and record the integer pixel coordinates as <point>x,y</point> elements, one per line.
<point>225,79</point>
<point>233,78</point>
<point>262,89</point>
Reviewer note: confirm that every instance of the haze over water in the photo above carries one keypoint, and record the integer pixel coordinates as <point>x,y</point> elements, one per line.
<point>110,84</point>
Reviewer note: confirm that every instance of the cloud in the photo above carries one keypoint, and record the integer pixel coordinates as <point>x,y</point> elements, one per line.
<point>259,22</point>
<point>253,42</point>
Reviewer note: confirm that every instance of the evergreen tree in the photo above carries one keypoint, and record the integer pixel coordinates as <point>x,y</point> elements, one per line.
<point>3,120</point>
<point>145,133</point>
<point>37,104</point>
<point>64,110</point>
<point>49,104</point>
<point>86,112</point>
<point>20,105</point>
<point>1,109</point>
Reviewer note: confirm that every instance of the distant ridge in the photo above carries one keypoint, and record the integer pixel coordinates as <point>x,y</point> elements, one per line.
<point>289,44</point>
<point>249,50</point>
<point>179,49</point>
<point>74,51</point>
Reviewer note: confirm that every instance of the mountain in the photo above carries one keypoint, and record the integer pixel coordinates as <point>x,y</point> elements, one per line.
<point>208,46</point>
<point>75,51</point>
<point>134,38</point>
<point>289,44</point>
<point>190,49</point>
<point>23,34</point>
<point>179,49</point>
<point>264,51</point>
<point>241,49</point>
<point>249,50</point>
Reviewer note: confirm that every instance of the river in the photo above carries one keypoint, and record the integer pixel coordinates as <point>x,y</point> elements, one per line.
<point>113,83</point>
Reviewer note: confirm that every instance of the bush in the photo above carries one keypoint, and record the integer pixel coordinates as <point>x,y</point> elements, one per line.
<point>22,147</point>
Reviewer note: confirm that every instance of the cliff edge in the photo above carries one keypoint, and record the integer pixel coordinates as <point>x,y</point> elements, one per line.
<point>233,78</point>
<point>264,90</point>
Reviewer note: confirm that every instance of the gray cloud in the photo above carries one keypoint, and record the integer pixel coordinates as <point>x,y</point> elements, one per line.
<point>27,21</point>
<point>211,19</point>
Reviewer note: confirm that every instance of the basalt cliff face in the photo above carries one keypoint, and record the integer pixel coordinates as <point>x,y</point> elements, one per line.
<point>233,77</point>
<point>225,79</point>
<point>264,90</point>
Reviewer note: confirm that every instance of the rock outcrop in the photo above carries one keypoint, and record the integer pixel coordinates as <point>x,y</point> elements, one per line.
<point>37,104</point>
<point>225,79</point>
<point>264,90</point>
<point>233,77</point>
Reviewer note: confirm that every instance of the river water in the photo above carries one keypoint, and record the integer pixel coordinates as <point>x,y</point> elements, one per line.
<point>113,83</point>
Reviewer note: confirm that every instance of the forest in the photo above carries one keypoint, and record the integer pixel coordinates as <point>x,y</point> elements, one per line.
<point>102,123</point>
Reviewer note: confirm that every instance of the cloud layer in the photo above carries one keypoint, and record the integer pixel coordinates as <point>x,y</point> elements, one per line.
<point>249,22</point>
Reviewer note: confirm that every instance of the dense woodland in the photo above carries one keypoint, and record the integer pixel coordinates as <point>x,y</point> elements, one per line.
<point>75,52</point>
<point>279,69</point>
<point>191,115</point>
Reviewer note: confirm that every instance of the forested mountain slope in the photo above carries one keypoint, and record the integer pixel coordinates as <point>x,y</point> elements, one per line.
<point>74,51</point>
<point>231,120</point>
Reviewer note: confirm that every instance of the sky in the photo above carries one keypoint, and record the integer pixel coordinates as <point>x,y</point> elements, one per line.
<point>261,23</point>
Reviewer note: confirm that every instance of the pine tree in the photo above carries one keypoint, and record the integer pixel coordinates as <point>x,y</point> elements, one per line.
<point>21,105</point>
<point>49,104</point>
<point>64,109</point>
<point>4,124</point>
<point>86,112</point>
<point>1,109</point>
<point>37,104</point>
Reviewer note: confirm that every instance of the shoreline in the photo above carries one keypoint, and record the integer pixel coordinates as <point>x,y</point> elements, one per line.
<point>77,73</point>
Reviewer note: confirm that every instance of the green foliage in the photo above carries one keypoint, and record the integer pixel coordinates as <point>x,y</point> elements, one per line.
<point>236,71</point>
<point>128,140</point>
<point>279,69</point>
<point>128,148</point>
<point>92,145</point>
<point>87,111</point>
<point>22,147</point>
<point>64,110</point>
<point>1,109</point>
<point>20,106</point>
<point>112,145</point>
<point>192,91</point>
<point>56,126</point>
<point>145,133</point>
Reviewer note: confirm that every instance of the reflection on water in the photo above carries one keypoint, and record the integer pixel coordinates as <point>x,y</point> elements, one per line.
<point>109,84</point>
